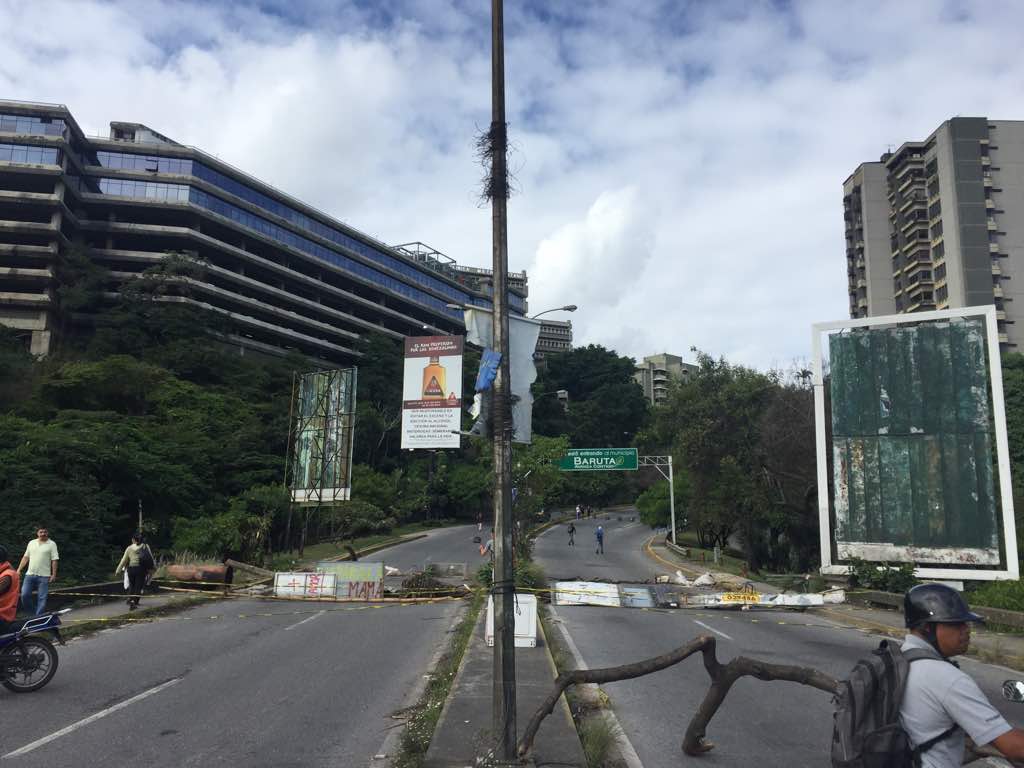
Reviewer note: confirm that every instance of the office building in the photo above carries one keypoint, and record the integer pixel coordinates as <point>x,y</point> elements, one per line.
<point>286,275</point>
<point>655,372</point>
<point>954,217</point>
<point>555,336</point>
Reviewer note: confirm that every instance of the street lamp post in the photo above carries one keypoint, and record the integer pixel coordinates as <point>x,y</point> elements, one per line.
<point>566,308</point>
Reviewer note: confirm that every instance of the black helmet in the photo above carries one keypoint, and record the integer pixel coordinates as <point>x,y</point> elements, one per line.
<point>936,603</point>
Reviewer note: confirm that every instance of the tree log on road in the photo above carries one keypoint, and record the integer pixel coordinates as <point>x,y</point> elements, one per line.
<point>722,678</point>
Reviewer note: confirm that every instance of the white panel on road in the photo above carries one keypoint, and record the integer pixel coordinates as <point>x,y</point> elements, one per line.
<point>525,621</point>
<point>586,593</point>
<point>304,585</point>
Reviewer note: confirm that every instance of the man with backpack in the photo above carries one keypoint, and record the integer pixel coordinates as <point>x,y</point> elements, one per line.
<point>910,705</point>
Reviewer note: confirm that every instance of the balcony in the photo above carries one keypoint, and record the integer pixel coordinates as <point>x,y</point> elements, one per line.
<point>996,269</point>
<point>993,247</point>
<point>991,224</point>
<point>997,291</point>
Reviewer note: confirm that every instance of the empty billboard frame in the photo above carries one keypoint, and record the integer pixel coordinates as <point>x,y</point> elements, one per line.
<point>904,446</point>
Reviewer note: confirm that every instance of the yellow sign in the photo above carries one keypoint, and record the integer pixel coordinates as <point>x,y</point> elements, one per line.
<point>741,597</point>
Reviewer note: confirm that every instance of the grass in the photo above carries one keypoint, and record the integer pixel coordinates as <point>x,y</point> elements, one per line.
<point>726,562</point>
<point>598,739</point>
<point>423,715</point>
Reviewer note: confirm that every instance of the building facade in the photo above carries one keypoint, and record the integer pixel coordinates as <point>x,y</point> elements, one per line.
<point>954,218</point>
<point>655,372</point>
<point>286,276</point>
<point>555,336</point>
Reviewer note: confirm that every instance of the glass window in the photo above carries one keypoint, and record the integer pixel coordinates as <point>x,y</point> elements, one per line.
<point>24,153</point>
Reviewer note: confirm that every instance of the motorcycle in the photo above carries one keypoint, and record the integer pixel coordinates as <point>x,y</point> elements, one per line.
<point>28,660</point>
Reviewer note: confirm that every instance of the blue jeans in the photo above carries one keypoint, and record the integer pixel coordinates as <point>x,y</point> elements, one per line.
<point>42,586</point>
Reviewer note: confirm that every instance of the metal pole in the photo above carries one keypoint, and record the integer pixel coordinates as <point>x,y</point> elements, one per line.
<point>503,589</point>
<point>672,498</point>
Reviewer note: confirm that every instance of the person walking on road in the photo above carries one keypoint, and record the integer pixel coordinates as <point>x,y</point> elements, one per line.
<point>940,702</point>
<point>572,534</point>
<point>138,559</point>
<point>479,521</point>
<point>599,535</point>
<point>577,511</point>
<point>8,591</point>
<point>41,558</point>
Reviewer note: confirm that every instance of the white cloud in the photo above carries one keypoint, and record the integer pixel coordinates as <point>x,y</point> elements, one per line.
<point>679,166</point>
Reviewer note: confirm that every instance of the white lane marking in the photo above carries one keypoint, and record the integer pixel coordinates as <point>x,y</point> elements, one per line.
<point>316,615</point>
<point>91,719</point>
<point>701,623</point>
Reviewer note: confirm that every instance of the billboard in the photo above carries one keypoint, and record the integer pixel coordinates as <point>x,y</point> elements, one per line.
<point>324,424</point>
<point>355,581</point>
<point>913,464</point>
<point>432,392</point>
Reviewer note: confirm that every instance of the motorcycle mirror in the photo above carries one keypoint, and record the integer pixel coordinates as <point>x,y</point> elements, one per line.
<point>1013,690</point>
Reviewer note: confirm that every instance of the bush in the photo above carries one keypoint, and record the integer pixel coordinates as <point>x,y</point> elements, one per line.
<point>1008,595</point>
<point>884,577</point>
<point>529,577</point>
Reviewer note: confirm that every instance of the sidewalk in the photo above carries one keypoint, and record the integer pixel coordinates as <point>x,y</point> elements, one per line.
<point>463,731</point>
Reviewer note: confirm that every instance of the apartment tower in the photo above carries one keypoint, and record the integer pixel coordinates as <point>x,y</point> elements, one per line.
<point>952,210</point>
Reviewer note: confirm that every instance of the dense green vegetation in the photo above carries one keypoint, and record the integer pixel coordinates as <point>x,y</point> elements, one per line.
<point>143,406</point>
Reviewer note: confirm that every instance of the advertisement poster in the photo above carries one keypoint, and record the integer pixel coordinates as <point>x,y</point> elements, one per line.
<point>432,392</point>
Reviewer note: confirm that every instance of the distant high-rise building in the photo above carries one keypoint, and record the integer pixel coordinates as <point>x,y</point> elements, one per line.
<point>952,210</point>
<point>283,275</point>
<point>555,336</point>
<point>656,371</point>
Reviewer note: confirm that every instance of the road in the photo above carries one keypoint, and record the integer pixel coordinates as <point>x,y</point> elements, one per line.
<point>771,725</point>
<point>307,685</point>
<point>443,545</point>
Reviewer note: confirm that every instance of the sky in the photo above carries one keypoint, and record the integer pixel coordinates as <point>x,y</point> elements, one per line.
<point>678,166</point>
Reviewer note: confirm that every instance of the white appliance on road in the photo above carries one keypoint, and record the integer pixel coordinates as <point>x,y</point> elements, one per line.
<point>525,621</point>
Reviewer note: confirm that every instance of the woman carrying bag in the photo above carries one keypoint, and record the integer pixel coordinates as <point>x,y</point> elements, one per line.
<point>137,562</point>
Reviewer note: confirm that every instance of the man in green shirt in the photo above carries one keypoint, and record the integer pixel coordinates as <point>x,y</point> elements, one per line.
<point>41,558</point>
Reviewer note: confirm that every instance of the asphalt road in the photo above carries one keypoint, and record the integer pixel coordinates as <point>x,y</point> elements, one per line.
<point>298,687</point>
<point>441,546</point>
<point>768,724</point>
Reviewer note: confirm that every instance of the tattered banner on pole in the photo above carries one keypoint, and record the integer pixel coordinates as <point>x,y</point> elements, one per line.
<point>522,343</point>
<point>432,392</point>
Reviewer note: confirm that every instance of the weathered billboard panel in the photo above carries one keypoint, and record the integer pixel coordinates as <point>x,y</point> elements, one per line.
<point>917,446</point>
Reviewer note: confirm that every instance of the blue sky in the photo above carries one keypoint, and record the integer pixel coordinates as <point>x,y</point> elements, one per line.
<point>679,166</point>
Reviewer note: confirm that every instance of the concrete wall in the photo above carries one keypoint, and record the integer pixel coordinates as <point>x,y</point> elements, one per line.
<point>1007,153</point>
<point>877,253</point>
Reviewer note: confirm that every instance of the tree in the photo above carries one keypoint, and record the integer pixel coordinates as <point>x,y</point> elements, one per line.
<point>606,406</point>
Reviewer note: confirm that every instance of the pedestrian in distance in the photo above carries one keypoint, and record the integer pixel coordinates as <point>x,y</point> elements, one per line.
<point>138,560</point>
<point>578,511</point>
<point>572,534</point>
<point>41,558</point>
<point>599,535</point>
<point>479,521</point>
<point>9,581</point>
<point>488,548</point>
<point>941,702</point>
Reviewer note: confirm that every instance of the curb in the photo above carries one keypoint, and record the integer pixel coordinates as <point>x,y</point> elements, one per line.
<point>566,709</point>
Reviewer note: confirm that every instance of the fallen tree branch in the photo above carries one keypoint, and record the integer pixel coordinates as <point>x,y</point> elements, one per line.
<point>607,675</point>
<point>722,678</point>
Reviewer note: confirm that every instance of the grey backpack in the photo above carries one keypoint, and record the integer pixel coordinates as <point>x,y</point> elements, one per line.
<point>867,731</point>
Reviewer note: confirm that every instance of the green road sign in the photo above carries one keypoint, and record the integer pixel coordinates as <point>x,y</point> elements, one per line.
<point>598,459</point>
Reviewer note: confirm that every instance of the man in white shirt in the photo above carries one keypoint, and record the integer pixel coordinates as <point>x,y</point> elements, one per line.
<point>41,558</point>
<point>941,703</point>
